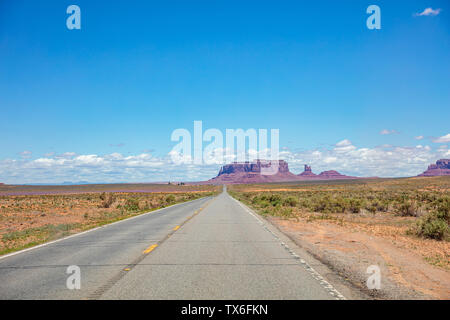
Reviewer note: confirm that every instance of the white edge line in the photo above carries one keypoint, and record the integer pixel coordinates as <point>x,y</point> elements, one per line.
<point>96,228</point>
<point>325,284</point>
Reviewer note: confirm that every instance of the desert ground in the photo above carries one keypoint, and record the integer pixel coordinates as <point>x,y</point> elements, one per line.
<point>30,215</point>
<point>400,225</point>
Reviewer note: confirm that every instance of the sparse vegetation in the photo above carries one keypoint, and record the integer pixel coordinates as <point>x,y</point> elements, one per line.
<point>435,224</point>
<point>27,220</point>
<point>422,198</point>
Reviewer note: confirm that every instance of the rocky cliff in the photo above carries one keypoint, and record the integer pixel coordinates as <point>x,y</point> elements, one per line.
<point>308,172</point>
<point>441,168</point>
<point>258,171</point>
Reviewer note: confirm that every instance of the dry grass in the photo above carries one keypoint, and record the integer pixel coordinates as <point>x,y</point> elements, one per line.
<point>415,208</point>
<point>427,199</point>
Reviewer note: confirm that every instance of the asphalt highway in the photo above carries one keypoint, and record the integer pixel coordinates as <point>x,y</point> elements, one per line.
<point>210,248</point>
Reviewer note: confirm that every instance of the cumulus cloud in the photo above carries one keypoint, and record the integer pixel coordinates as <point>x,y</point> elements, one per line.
<point>344,146</point>
<point>386,132</point>
<point>418,137</point>
<point>428,12</point>
<point>344,156</point>
<point>443,139</point>
<point>382,161</point>
<point>109,168</point>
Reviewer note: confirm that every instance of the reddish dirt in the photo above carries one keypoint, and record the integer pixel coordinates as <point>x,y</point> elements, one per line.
<point>411,268</point>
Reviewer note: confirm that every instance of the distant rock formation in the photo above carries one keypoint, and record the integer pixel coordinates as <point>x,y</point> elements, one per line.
<point>334,175</point>
<point>325,175</point>
<point>254,172</point>
<point>441,168</point>
<point>308,172</point>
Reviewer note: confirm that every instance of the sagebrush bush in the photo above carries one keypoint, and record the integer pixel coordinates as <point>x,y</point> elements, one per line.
<point>107,199</point>
<point>432,227</point>
<point>170,198</point>
<point>443,209</point>
<point>407,209</point>
<point>275,200</point>
<point>131,204</point>
<point>290,201</point>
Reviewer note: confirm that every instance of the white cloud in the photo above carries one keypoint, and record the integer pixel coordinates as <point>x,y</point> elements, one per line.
<point>429,12</point>
<point>330,159</point>
<point>109,168</point>
<point>382,161</point>
<point>443,139</point>
<point>344,146</point>
<point>386,132</point>
<point>418,137</point>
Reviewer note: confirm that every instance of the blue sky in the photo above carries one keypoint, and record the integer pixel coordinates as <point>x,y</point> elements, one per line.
<point>137,70</point>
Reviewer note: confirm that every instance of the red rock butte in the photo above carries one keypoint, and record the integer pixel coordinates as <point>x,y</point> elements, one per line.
<point>257,172</point>
<point>441,168</point>
<point>254,172</point>
<point>324,175</point>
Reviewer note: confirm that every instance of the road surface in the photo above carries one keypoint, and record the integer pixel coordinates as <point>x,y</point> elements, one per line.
<point>211,248</point>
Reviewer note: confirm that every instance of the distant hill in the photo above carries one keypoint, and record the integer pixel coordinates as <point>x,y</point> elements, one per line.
<point>441,168</point>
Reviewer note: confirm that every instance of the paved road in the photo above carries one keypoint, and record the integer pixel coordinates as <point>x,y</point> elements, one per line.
<point>223,252</point>
<point>101,254</point>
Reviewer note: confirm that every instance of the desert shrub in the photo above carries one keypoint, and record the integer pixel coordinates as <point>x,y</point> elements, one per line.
<point>372,207</point>
<point>337,205</point>
<point>319,205</point>
<point>170,198</point>
<point>275,200</point>
<point>407,209</point>
<point>144,205</point>
<point>432,227</point>
<point>107,200</point>
<point>443,209</point>
<point>354,205</point>
<point>382,205</point>
<point>255,200</point>
<point>290,201</point>
<point>264,203</point>
<point>131,204</point>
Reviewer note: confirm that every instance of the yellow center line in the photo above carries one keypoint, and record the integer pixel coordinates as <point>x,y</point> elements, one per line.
<point>176,228</point>
<point>149,249</point>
